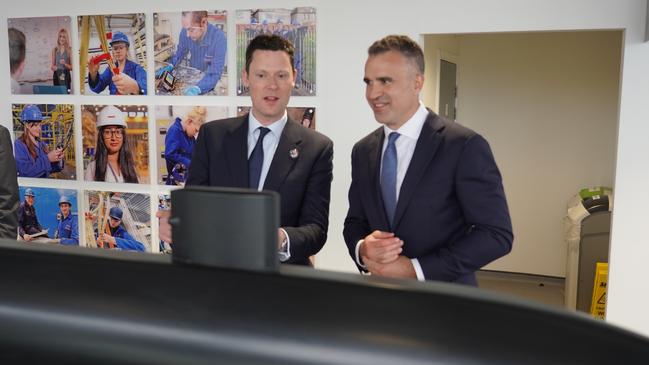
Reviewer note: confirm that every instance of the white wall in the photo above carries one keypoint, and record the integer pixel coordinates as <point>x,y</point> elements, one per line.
<point>547,103</point>
<point>347,28</point>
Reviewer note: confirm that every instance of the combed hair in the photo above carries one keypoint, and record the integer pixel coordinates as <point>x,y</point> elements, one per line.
<point>402,44</point>
<point>269,42</point>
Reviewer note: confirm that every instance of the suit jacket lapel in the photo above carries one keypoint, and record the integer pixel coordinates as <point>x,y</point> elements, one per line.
<point>286,155</point>
<point>236,149</point>
<point>373,175</point>
<point>426,147</point>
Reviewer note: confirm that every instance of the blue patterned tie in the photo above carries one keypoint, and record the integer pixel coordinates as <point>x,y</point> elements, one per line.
<point>256,160</point>
<point>389,177</point>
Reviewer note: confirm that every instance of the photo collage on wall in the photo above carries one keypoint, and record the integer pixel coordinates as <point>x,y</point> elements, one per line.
<point>88,170</point>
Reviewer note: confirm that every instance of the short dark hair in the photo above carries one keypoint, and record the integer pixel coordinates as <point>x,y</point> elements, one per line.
<point>198,16</point>
<point>269,42</point>
<point>402,44</point>
<point>16,49</point>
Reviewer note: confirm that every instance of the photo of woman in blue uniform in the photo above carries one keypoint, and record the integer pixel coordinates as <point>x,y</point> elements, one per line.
<point>179,144</point>
<point>67,232</point>
<point>129,78</point>
<point>33,156</point>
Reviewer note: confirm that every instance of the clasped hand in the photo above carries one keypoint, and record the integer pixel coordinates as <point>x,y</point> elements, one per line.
<point>381,254</point>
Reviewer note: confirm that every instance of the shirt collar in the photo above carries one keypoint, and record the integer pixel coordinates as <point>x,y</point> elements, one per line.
<point>412,127</point>
<point>275,127</point>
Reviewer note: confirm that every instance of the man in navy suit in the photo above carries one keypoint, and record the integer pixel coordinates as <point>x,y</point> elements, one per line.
<point>426,199</point>
<point>267,150</point>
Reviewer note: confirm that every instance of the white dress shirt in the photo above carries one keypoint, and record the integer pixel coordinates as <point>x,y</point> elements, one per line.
<point>405,146</point>
<point>270,142</point>
<point>111,175</point>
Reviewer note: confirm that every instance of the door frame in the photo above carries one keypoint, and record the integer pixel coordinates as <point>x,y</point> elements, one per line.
<point>449,57</point>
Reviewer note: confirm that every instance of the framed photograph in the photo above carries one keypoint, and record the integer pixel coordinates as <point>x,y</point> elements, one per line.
<point>164,203</point>
<point>112,54</point>
<point>178,127</point>
<point>40,55</point>
<point>118,221</point>
<point>115,143</point>
<point>297,25</point>
<point>44,140</point>
<point>48,216</point>
<point>190,53</point>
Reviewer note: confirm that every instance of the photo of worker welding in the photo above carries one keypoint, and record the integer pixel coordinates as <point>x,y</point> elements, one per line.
<point>303,115</point>
<point>40,55</point>
<point>118,221</point>
<point>297,25</point>
<point>190,53</point>
<point>112,54</point>
<point>178,127</point>
<point>48,215</point>
<point>44,140</point>
<point>115,143</point>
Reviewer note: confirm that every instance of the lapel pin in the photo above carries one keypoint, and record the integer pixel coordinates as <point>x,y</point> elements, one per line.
<point>294,153</point>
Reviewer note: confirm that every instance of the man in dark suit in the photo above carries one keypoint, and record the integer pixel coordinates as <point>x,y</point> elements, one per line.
<point>426,199</point>
<point>8,188</point>
<point>266,150</point>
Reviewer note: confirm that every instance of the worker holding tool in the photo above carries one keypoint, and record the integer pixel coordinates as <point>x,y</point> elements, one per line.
<point>206,45</point>
<point>33,157</point>
<point>127,78</point>
<point>117,236</point>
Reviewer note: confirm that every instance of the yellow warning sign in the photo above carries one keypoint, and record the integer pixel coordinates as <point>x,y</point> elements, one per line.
<point>598,303</point>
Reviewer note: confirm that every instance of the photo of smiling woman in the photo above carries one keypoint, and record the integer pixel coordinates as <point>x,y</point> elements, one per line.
<point>33,156</point>
<point>44,140</point>
<point>117,155</point>
<point>62,61</point>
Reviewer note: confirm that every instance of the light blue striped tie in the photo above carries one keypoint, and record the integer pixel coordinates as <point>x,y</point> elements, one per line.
<point>389,177</point>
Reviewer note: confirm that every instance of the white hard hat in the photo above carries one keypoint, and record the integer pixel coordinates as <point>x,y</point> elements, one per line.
<point>110,115</point>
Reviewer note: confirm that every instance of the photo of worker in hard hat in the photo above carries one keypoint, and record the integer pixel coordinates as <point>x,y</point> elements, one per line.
<point>28,226</point>
<point>40,55</point>
<point>178,127</point>
<point>297,25</point>
<point>44,140</point>
<point>303,115</point>
<point>67,232</point>
<point>113,54</point>
<point>48,215</point>
<point>190,53</point>
<point>115,143</point>
<point>120,221</point>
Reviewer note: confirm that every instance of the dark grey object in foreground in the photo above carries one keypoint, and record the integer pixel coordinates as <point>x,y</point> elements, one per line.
<point>225,227</point>
<point>118,307</point>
